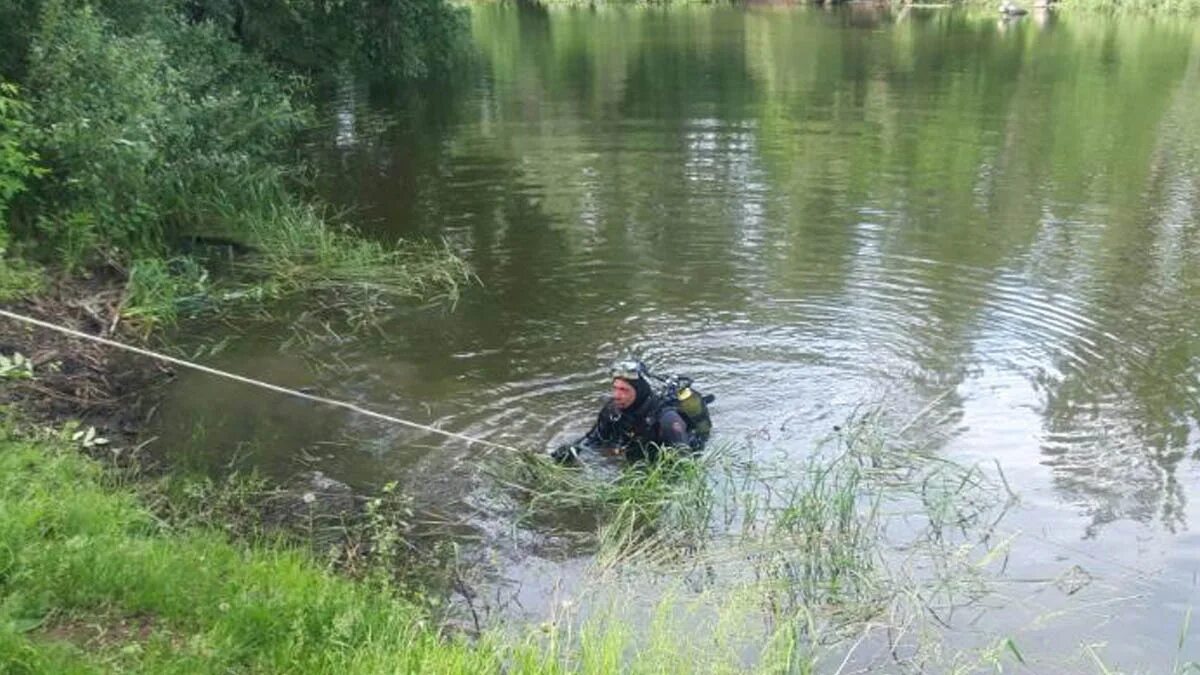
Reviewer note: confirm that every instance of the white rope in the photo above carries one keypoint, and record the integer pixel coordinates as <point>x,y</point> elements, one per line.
<point>247,380</point>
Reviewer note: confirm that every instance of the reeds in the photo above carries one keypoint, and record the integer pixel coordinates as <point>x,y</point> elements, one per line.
<point>300,248</point>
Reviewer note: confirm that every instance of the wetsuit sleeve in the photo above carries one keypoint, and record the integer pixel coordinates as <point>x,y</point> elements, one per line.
<point>603,433</point>
<point>672,430</point>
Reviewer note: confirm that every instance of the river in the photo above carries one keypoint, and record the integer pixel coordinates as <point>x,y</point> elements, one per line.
<point>988,229</point>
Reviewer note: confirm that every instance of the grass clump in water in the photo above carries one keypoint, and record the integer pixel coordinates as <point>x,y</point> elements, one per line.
<point>649,507</point>
<point>299,249</point>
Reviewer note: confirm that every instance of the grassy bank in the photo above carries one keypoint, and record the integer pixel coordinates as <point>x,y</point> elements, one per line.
<point>92,582</point>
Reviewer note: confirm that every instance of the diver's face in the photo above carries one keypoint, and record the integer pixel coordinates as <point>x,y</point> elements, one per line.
<point>623,393</point>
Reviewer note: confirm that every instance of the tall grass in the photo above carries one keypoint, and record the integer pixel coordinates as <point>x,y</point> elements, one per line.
<point>660,510</point>
<point>298,248</point>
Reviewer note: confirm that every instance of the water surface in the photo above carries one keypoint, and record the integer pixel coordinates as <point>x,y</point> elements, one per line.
<point>993,227</point>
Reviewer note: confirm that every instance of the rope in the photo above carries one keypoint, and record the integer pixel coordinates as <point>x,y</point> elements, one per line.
<point>253,382</point>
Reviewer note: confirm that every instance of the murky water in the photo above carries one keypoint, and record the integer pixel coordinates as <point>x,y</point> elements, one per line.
<point>994,226</point>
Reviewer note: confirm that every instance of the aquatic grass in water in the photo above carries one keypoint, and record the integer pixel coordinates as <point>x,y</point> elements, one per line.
<point>294,248</point>
<point>797,561</point>
<point>645,505</point>
<point>157,290</point>
<point>299,248</point>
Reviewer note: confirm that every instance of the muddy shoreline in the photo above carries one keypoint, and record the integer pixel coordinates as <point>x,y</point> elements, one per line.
<point>77,380</point>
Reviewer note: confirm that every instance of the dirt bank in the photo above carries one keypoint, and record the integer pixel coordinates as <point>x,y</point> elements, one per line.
<point>75,379</point>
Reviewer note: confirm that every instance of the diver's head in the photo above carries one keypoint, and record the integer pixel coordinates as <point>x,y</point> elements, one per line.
<point>629,385</point>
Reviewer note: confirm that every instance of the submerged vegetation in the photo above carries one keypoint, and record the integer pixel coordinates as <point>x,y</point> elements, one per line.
<point>149,137</point>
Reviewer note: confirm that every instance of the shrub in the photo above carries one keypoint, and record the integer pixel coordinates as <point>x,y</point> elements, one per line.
<point>17,165</point>
<point>131,128</point>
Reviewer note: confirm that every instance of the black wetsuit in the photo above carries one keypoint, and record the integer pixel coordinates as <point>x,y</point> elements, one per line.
<point>639,431</point>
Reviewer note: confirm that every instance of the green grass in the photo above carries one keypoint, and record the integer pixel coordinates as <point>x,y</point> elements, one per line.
<point>76,548</point>
<point>19,278</point>
<point>301,249</point>
<point>296,249</point>
<point>82,560</point>
<point>650,508</point>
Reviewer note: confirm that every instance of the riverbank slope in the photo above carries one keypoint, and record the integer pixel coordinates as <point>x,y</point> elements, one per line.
<point>92,581</point>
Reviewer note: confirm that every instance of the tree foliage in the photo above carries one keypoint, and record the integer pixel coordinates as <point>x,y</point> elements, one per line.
<point>17,165</point>
<point>405,38</point>
<point>139,131</point>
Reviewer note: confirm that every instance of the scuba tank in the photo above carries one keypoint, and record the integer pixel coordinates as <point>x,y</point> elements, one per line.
<point>691,404</point>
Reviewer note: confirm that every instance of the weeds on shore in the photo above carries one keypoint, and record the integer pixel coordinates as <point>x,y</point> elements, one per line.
<point>377,539</point>
<point>19,278</point>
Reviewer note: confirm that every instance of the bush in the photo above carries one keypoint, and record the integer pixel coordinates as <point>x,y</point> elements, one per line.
<point>131,128</point>
<point>17,165</point>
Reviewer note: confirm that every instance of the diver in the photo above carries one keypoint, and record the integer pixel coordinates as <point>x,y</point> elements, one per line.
<point>638,423</point>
